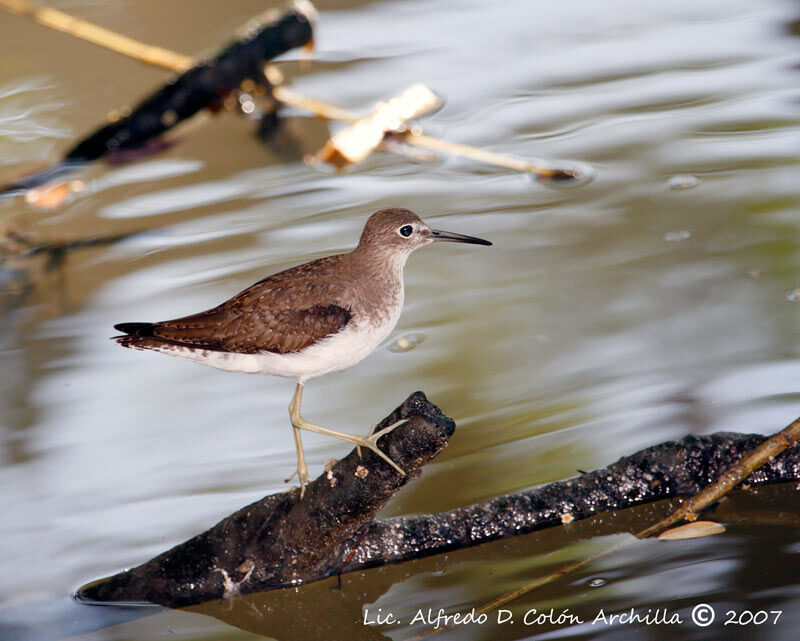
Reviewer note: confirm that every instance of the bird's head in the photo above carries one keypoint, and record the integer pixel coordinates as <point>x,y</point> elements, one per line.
<point>401,231</point>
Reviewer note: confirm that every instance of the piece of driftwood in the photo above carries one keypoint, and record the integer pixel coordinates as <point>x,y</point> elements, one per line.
<point>736,473</point>
<point>669,470</point>
<point>282,541</point>
<point>202,86</point>
<point>353,144</point>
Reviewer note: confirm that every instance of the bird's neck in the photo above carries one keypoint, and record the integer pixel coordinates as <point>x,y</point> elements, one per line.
<point>381,281</point>
<point>379,288</point>
<point>379,261</point>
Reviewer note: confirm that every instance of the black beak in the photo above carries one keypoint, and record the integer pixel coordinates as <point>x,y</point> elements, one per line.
<point>449,237</point>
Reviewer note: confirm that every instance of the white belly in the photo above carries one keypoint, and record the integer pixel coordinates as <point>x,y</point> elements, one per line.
<point>336,352</point>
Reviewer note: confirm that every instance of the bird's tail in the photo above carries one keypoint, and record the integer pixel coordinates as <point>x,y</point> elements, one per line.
<point>135,334</point>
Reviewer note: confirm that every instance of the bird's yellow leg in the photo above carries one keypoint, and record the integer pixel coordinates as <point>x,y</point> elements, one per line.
<point>370,442</point>
<point>302,469</point>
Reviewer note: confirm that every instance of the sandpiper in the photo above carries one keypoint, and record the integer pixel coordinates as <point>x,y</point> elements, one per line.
<point>306,321</point>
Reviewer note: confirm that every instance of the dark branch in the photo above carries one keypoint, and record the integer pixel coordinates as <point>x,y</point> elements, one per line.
<point>669,470</point>
<point>203,86</point>
<point>281,541</point>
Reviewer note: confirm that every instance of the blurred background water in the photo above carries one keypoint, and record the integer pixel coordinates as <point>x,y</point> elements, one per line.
<point>653,302</point>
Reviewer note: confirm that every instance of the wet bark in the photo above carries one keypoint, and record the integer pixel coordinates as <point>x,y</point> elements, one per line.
<point>281,540</point>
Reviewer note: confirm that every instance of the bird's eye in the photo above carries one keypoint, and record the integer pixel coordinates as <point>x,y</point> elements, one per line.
<point>406,230</point>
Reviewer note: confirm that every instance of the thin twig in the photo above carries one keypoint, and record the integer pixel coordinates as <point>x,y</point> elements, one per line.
<point>729,479</point>
<point>60,21</point>
<point>488,157</point>
<point>726,482</point>
<point>316,107</point>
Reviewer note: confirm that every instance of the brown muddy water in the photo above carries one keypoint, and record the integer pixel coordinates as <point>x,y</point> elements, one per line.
<point>606,318</point>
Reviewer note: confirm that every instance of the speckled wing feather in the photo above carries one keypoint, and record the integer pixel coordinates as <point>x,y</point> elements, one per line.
<point>283,313</point>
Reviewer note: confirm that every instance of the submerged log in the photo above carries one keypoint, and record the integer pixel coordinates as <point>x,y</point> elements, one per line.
<point>281,541</point>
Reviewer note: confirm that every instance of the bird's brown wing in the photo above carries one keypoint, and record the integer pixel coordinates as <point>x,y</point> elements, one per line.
<point>283,313</point>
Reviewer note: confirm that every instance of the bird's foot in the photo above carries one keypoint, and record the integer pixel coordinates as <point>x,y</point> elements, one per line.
<point>302,476</point>
<point>371,442</point>
<point>371,430</point>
